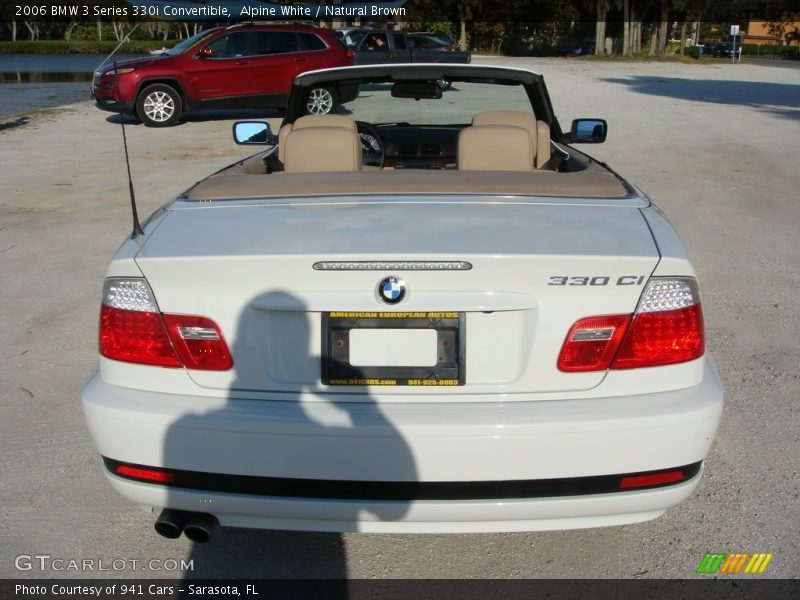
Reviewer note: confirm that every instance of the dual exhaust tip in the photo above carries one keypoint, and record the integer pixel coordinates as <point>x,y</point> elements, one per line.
<point>198,527</point>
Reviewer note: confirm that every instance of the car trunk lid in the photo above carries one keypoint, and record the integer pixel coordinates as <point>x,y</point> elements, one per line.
<point>535,267</point>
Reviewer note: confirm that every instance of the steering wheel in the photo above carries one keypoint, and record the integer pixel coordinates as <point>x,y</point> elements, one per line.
<point>373,148</point>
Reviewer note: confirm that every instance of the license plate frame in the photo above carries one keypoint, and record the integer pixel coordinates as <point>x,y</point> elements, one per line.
<point>449,371</point>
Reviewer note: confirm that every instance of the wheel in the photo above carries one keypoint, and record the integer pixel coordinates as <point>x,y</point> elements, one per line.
<point>159,105</point>
<point>321,101</point>
<point>373,148</point>
<point>444,84</point>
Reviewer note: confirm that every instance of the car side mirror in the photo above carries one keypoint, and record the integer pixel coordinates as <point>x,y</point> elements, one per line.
<point>205,53</point>
<point>253,133</point>
<point>588,131</point>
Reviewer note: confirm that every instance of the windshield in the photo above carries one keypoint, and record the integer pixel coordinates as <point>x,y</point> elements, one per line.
<point>188,43</point>
<point>457,105</point>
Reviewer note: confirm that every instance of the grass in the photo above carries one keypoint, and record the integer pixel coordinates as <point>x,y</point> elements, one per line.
<point>643,57</point>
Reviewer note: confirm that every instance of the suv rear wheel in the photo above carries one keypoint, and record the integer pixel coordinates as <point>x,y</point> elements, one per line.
<point>321,101</point>
<point>159,105</point>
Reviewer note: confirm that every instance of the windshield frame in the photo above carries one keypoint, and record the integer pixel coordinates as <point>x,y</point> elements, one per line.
<point>533,83</point>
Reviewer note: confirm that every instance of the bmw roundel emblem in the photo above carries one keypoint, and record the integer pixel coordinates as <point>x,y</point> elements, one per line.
<point>391,289</point>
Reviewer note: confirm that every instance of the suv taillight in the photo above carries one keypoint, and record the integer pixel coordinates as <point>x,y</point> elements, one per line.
<point>133,330</point>
<point>667,328</point>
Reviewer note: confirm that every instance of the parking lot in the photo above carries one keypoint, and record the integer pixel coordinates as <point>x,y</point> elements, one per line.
<point>716,146</point>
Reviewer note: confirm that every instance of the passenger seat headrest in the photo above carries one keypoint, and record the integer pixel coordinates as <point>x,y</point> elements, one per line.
<point>325,121</point>
<point>495,148</point>
<point>322,149</point>
<point>307,121</point>
<point>538,130</point>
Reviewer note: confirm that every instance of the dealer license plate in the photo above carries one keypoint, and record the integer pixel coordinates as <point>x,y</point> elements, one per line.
<point>393,348</point>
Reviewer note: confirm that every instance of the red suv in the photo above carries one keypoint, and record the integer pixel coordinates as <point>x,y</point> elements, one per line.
<point>241,66</point>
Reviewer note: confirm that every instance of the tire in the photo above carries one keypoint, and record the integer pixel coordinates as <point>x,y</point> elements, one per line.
<point>445,84</point>
<point>159,105</point>
<point>321,101</point>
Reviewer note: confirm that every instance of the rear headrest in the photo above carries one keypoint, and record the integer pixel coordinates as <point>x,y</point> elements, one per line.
<point>539,130</point>
<point>340,121</point>
<point>495,148</point>
<point>325,121</point>
<point>515,118</point>
<point>320,149</point>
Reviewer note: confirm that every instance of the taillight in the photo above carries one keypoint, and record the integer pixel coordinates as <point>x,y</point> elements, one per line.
<point>349,54</point>
<point>592,343</point>
<point>651,479</point>
<point>145,474</point>
<point>447,48</point>
<point>667,328</point>
<point>133,330</point>
<point>199,342</point>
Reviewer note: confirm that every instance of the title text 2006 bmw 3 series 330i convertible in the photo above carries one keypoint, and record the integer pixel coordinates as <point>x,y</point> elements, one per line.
<point>426,313</point>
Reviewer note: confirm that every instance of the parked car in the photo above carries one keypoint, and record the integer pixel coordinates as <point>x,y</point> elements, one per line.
<point>429,314</point>
<point>428,41</point>
<point>439,36</point>
<point>239,66</point>
<point>379,46</point>
<point>722,50</point>
<point>577,50</point>
<point>350,37</point>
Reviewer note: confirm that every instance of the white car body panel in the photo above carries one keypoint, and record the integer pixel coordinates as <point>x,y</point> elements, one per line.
<point>513,420</point>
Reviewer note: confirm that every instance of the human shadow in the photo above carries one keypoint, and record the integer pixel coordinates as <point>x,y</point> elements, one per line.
<point>283,451</point>
<point>781,99</point>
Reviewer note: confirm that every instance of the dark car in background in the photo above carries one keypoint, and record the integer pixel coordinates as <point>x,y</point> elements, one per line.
<point>442,38</point>
<point>239,66</point>
<point>722,50</point>
<point>379,46</point>
<point>429,41</point>
<point>577,50</point>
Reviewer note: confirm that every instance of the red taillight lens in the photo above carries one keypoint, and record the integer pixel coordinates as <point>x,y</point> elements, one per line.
<point>662,338</point>
<point>133,330</point>
<point>591,343</point>
<point>349,54</point>
<point>135,336</point>
<point>650,479</point>
<point>667,328</point>
<point>145,474</point>
<point>199,342</point>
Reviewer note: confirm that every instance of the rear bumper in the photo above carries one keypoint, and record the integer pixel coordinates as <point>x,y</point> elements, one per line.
<point>422,442</point>
<point>422,516</point>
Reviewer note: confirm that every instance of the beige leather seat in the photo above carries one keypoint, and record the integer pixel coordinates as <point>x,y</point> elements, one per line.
<point>495,148</point>
<point>312,121</point>
<point>538,130</point>
<point>321,149</point>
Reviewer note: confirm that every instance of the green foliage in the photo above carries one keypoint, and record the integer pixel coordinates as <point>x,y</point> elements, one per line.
<point>435,26</point>
<point>692,52</point>
<point>771,51</point>
<point>80,47</point>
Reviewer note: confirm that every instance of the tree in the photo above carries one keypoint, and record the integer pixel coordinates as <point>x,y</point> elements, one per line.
<point>601,11</point>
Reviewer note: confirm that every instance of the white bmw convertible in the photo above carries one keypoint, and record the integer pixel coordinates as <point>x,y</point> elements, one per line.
<point>428,312</point>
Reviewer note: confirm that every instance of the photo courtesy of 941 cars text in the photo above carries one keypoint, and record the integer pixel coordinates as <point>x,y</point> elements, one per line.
<point>351,294</point>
